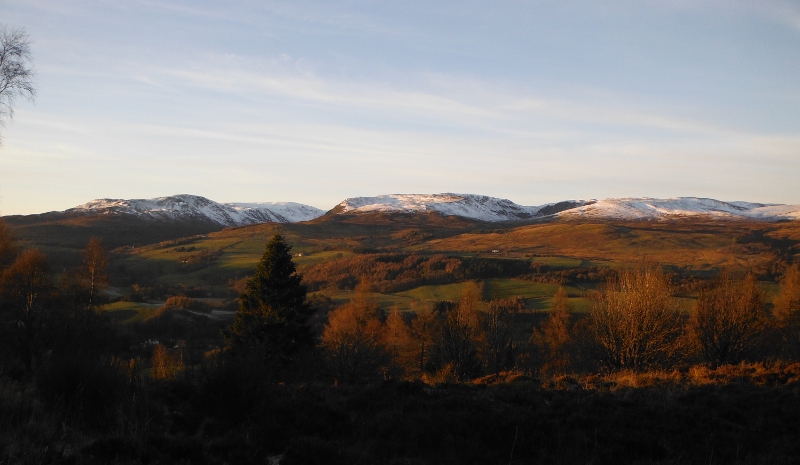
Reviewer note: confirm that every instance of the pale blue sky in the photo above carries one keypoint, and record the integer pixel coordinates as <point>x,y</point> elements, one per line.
<point>313,102</point>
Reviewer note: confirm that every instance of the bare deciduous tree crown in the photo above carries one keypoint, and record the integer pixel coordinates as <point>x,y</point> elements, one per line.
<point>16,72</point>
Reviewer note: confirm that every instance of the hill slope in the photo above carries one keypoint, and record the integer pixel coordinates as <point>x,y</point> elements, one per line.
<point>478,207</point>
<point>686,207</point>
<point>195,208</point>
<point>485,208</point>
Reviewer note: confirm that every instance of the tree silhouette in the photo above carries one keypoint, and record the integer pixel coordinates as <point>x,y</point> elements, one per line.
<point>26,294</point>
<point>272,319</point>
<point>498,327</point>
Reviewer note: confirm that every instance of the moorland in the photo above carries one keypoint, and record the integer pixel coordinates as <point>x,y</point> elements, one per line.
<point>431,339</point>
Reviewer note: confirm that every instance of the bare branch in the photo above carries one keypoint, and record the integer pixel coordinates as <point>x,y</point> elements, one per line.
<point>16,71</point>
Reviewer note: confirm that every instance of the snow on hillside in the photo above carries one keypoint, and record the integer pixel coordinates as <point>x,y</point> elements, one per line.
<point>486,208</point>
<point>659,209</point>
<point>479,207</point>
<point>196,208</point>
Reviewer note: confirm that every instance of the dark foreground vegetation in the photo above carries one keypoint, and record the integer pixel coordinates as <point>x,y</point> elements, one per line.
<point>296,378</point>
<point>734,414</point>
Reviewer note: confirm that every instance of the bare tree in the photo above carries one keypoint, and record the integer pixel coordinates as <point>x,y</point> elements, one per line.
<point>16,72</point>
<point>425,330</point>
<point>499,351</point>
<point>728,320</point>
<point>95,262</point>
<point>636,321</point>
<point>460,335</point>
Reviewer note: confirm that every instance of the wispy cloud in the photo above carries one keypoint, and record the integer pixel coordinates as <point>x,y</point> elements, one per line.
<point>489,106</point>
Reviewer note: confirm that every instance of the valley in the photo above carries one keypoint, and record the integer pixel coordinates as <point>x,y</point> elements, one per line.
<point>422,319</point>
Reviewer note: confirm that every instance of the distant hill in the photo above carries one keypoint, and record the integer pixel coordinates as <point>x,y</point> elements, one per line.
<point>143,221</point>
<point>681,207</point>
<point>484,208</point>
<point>477,207</point>
<point>73,230</point>
<point>195,208</point>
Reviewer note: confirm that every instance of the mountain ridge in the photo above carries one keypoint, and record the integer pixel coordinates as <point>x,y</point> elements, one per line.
<point>478,207</point>
<point>193,208</point>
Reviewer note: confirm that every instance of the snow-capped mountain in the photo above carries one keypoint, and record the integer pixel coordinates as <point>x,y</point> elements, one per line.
<point>484,208</point>
<point>195,208</point>
<point>478,207</point>
<point>662,209</point>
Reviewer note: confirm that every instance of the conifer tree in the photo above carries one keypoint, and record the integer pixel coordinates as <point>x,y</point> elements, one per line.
<point>273,314</point>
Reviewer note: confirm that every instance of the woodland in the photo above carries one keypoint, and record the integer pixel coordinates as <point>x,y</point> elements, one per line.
<point>405,339</point>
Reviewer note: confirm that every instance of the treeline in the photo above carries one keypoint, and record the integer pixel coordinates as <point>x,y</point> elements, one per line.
<point>635,323</point>
<point>542,273</point>
<point>388,272</point>
<point>49,321</point>
<point>43,317</point>
<point>453,341</point>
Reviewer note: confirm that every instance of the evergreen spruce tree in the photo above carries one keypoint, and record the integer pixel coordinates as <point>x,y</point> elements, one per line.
<point>272,320</point>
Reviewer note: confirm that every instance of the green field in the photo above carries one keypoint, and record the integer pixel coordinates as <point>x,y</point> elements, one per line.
<point>537,296</point>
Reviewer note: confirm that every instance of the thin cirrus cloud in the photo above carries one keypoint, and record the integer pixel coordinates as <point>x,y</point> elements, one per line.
<point>489,107</point>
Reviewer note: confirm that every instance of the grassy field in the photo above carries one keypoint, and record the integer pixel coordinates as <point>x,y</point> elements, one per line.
<point>699,245</point>
<point>129,312</point>
<point>215,260</point>
<point>537,296</point>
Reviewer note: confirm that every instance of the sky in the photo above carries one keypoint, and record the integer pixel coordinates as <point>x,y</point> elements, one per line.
<point>318,101</point>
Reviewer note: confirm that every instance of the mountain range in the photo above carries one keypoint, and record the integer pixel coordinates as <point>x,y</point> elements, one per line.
<point>477,207</point>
